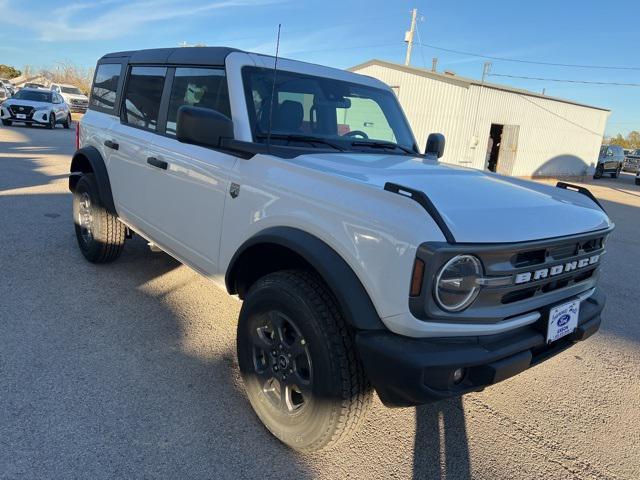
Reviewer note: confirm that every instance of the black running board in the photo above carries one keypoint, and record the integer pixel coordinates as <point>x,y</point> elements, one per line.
<point>426,203</point>
<point>582,190</point>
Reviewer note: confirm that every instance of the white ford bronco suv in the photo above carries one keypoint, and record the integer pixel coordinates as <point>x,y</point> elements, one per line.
<point>362,264</point>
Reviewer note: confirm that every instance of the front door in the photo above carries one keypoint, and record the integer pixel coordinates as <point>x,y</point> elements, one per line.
<point>188,184</point>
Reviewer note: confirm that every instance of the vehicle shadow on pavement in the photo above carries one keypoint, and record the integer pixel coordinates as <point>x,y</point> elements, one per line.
<point>441,449</point>
<point>21,172</point>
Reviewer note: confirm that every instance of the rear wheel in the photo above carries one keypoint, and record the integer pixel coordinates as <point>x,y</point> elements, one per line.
<point>599,171</point>
<point>100,234</point>
<point>67,122</point>
<point>616,174</point>
<point>298,362</point>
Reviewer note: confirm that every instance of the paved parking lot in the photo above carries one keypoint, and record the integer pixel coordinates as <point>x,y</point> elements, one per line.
<point>128,370</point>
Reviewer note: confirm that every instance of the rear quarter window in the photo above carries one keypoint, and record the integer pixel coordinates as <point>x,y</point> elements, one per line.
<point>105,86</point>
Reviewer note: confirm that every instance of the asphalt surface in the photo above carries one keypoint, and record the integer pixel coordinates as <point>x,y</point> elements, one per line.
<point>128,370</point>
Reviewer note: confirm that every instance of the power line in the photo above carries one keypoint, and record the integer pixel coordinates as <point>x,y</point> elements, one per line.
<point>564,80</point>
<point>532,62</point>
<point>559,116</point>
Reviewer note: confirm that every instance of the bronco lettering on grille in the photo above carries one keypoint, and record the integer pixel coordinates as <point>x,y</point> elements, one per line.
<point>541,273</point>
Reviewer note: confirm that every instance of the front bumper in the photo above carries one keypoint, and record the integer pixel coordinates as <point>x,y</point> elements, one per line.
<point>412,371</point>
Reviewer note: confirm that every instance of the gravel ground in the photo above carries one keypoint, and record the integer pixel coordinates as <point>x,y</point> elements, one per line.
<point>128,370</point>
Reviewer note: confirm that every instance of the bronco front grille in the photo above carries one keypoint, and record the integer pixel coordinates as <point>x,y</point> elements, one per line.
<point>527,275</point>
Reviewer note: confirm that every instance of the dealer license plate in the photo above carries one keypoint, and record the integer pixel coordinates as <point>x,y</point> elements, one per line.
<point>563,319</point>
<point>21,116</point>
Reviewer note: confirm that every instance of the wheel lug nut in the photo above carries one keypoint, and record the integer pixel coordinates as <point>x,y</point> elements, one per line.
<point>274,353</point>
<point>303,342</point>
<point>275,368</point>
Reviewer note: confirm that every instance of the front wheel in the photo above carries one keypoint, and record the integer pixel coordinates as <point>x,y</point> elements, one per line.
<point>6,123</point>
<point>52,121</point>
<point>298,362</point>
<point>100,234</point>
<point>599,171</point>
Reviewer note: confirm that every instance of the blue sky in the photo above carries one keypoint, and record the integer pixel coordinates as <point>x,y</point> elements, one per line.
<point>342,33</point>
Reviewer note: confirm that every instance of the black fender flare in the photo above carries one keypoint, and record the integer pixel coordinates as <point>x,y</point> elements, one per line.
<point>99,169</point>
<point>353,299</point>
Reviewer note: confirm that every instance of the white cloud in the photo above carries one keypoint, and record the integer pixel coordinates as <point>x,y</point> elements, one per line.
<point>107,19</point>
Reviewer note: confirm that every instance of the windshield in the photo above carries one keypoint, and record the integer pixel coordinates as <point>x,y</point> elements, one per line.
<point>73,90</point>
<point>317,112</point>
<point>33,96</point>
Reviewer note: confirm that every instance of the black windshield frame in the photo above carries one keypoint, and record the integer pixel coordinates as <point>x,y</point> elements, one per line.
<point>398,122</point>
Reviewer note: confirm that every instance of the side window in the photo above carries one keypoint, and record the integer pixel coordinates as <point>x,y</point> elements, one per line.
<point>142,96</point>
<point>200,87</point>
<point>105,86</point>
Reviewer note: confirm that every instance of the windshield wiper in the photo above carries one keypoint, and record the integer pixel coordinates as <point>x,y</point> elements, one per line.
<point>301,138</point>
<point>382,144</point>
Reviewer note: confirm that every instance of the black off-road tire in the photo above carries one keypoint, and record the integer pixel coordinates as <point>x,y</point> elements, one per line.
<point>599,171</point>
<point>339,393</point>
<point>7,123</point>
<point>104,240</point>
<point>616,174</point>
<point>67,123</point>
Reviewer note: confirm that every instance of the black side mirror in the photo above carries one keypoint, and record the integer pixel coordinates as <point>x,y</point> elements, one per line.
<point>202,126</point>
<point>435,145</point>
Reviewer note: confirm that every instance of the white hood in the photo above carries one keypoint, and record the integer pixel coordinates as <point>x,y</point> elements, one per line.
<point>478,207</point>
<point>74,96</point>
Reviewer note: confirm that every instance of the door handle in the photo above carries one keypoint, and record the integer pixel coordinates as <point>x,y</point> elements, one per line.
<point>111,144</point>
<point>157,163</point>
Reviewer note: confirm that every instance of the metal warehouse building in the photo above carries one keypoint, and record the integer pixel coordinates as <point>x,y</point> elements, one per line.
<point>495,127</point>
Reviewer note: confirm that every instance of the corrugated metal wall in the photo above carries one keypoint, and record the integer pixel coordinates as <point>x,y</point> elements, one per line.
<point>555,138</point>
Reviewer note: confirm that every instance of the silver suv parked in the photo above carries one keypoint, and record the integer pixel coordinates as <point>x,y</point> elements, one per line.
<point>610,160</point>
<point>77,101</point>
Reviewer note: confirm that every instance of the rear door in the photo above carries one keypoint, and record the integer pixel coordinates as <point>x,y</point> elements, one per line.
<point>190,183</point>
<point>132,179</point>
<point>610,159</point>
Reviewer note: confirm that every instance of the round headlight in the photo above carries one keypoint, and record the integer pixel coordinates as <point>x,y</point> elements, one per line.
<point>456,285</point>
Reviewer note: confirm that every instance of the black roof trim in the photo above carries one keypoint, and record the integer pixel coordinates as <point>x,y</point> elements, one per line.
<point>174,56</point>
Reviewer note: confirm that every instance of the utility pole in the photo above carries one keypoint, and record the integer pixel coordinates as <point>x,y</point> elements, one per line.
<point>485,70</point>
<point>408,36</point>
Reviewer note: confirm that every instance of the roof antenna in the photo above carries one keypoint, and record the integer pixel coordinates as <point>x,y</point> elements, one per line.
<point>273,91</point>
